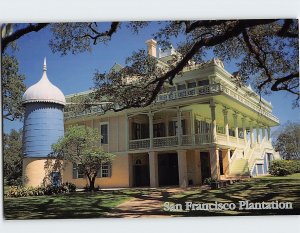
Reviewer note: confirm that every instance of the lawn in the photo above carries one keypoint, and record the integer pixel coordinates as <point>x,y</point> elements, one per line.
<point>72,205</point>
<point>262,189</point>
<point>100,204</point>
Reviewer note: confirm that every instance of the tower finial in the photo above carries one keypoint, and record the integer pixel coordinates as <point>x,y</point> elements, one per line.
<point>45,65</point>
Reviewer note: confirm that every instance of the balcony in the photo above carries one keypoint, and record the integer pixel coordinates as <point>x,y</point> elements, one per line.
<point>202,90</point>
<point>216,88</point>
<point>170,141</point>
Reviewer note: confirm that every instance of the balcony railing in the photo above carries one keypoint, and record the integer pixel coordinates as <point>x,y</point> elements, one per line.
<point>170,141</point>
<point>213,89</point>
<point>203,90</point>
<point>216,88</point>
<point>139,144</point>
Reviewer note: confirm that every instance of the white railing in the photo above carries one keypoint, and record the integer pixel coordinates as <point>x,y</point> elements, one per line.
<point>246,101</point>
<point>139,144</point>
<point>165,141</point>
<point>202,90</point>
<point>215,88</point>
<point>186,140</point>
<point>170,141</point>
<point>202,138</point>
<point>196,91</point>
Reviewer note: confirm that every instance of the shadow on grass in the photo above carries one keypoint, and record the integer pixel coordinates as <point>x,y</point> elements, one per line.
<point>104,203</point>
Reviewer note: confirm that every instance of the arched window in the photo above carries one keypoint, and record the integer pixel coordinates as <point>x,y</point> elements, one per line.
<point>138,162</point>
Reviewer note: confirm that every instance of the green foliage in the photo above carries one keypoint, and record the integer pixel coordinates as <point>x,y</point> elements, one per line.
<point>12,157</point>
<point>210,181</point>
<point>284,167</point>
<point>20,191</point>
<point>266,53</point>
<point>13,88</point>
<point>288,141</point>
<point>80,145</point>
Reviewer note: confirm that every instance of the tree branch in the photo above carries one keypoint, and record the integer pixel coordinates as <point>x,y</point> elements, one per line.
<point>21,32</point>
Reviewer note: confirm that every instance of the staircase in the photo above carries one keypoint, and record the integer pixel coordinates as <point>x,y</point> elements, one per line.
<point>239,168</point>
<point>243,160</point>
<point>239,163</point>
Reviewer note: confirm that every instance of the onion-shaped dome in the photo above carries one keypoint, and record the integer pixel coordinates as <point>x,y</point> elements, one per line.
<point>44,91</point>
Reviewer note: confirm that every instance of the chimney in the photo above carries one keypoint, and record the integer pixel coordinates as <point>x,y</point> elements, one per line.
<point>151,46</point>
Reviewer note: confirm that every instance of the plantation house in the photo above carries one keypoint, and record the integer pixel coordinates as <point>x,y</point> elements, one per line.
<point>203,126</point>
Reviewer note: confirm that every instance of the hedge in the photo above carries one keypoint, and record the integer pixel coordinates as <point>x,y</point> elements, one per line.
<point>284,167</point>
<point>21,191</point>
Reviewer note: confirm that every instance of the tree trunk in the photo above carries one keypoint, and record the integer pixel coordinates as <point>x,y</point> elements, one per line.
<point>92,182</point>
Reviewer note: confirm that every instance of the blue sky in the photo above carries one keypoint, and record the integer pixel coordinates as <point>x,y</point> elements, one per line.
<point>73,73</point>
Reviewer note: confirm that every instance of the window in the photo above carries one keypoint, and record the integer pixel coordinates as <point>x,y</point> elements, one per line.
<point>139,131</point>
<point>159,130</point>
<point>231,132</point>
<point>78,171</point>
<point>203,83</point>
<point>173,128</point>
<point>192,85</point>
<point>104,171</point>
<point>203,127</point>
<point>181,87</point>
<point>104,133</point>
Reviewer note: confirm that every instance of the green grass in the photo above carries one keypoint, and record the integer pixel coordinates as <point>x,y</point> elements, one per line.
<point>99,204</point>
<point>73,205</point>
<point>267,189</point>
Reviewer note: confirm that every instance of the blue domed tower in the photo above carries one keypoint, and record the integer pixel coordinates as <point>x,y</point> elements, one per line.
<point>43,126</point>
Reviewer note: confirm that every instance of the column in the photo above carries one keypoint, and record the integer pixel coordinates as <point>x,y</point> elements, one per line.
<point>167,127</point>
<point>182,168</point>
<point>153,168</point>
<point>179,128</point>
<point>214,163</point>
<point>225,114</point>
<point>235,116</point>
<point>244,129</point>
<point>126,132</point>
<point>269,133</point>
<point>192,127</point>
<point>251,134</point>
<point>214,122</point>
<point>150,115</point>
<point>257,134</point>
<point>197,167</point>
<point>263,132</point>
<point>130,169</point>
<point>226,161</point>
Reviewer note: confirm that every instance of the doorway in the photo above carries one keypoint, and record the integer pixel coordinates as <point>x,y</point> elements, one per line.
<point>205,165</point>
<point>141,174</point>
<point>168,169</point>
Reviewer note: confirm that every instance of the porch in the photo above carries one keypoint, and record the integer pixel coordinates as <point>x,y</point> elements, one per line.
<point>181,168</point>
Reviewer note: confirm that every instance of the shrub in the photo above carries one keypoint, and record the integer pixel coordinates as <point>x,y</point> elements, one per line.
<point>210,181</point>
<point>20,191</point>
<point>284,167</point>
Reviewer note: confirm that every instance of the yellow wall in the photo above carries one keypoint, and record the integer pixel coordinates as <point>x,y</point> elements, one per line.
<point>119,178</point>
<point>34,171</point>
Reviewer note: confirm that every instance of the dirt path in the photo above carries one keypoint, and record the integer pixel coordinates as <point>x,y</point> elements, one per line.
<point>144,206</point>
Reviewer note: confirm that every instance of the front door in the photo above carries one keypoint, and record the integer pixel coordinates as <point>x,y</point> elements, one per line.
<point>205,165</point>
<point>168,169</point>
<point>141,175</point>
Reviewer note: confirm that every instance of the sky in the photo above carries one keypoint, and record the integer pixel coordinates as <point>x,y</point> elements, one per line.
<point>74,73</point>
